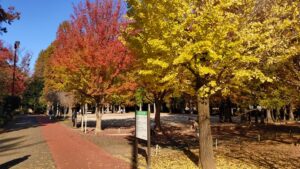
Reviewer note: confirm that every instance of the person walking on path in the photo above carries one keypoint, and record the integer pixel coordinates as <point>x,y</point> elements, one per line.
<point>50,113</point>
<point>74,117</point>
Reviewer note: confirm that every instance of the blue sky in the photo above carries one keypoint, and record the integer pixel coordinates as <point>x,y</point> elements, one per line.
<point>38,24</point>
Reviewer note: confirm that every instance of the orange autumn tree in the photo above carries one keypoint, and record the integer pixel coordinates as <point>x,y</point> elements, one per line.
<point>89,59</point>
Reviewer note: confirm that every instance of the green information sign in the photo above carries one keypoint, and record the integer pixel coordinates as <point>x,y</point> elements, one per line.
<point>141,124</point>
<point>142,131</point>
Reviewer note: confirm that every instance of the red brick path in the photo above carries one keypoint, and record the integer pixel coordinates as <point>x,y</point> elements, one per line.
<point>70,151</point>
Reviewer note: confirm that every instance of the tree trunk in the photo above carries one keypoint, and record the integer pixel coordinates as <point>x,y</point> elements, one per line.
<point>273,114</point>
<point>119,109</point>
<point>249,114</point>
<point>206,155</point>
<point>107,108</point>
<point>190,107</point>
<point>65,112</point>
<point>140,106</point>
<point>48,109</point>
<point>244,115</point>
<point>228,114</point>
<point>291,114</point>
<point>262,116</point>
<point>154,108</point>
<point>277,114</point>
<point>269,117</point>
<point>157,114</point>
<point>284,113</point>
<point>69,111</point>
<point>221,115</point>
<point>171,106</point>
<point>256,116</point>
<point>98,120</point>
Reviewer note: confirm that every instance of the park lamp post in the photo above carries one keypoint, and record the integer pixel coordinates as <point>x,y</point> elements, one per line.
<point>16,46</point>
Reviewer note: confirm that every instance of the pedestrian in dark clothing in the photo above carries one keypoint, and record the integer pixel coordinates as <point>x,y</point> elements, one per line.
<point>50,114</point>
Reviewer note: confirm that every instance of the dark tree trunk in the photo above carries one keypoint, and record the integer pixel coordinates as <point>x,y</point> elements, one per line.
<point>284,113</point>
<point>256,116</point>
<point>277,114</point>
<point>190,107</point>
<point>273,115</point>
<point>228,115</point>
<point>157,114</point>
<point>221,111</point>
<point>221,116</point>
<point>262,116</point>
<point>249,116</point>
<point>227,110</point>
<point>206,155</point>
<point>243,116</point>
<point>171,106</point>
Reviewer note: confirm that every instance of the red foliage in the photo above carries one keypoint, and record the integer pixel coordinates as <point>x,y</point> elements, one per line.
<point>6,69</point>
<point>5,54</point>
<point>89,44</point>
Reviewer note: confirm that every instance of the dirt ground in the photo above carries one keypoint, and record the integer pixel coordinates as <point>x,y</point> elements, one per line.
<point>235,145</point>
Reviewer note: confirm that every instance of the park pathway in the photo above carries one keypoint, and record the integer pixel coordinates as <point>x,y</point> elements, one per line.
<point>22,145</point>
<point>70,151</point>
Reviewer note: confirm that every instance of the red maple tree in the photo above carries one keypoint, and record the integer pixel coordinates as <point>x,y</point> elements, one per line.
<point>89,51</point>
<point>6,69</point>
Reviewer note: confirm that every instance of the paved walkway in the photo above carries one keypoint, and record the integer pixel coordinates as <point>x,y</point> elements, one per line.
<point>23,147</point>
<point>34,142</point>
<point>70,151</point>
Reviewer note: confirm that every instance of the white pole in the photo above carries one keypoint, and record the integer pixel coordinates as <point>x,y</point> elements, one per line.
<point>149,108</point>
<point>85,114</point>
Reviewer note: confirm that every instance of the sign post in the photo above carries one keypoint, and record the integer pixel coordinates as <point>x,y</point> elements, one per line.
<point>142,131</point>
<point>148,142</point>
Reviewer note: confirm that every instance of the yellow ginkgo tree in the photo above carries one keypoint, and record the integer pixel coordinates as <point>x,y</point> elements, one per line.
<point>150,38</point>
<point>204,47</point>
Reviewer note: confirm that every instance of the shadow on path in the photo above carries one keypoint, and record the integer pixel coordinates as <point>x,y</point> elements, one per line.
<point>14,162</point>
<point>25,122</point>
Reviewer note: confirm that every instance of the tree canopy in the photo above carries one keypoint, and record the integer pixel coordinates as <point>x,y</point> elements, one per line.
<point>7,16</point>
